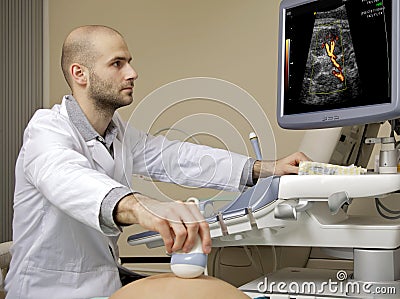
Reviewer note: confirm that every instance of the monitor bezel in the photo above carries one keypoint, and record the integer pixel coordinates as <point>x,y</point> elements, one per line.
<point>344,116</point>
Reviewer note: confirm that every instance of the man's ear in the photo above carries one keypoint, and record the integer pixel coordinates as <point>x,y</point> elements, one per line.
<point>79,74</point>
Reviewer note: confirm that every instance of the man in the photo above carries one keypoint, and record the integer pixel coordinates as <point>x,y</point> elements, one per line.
<point>72,195</point>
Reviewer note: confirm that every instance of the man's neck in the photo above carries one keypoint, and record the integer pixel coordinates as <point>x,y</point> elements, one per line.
<point>97,117</point>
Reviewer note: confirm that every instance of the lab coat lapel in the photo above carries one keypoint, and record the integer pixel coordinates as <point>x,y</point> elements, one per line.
<point>123,163</point>
<point>102,157</point>
<point>118,158</point>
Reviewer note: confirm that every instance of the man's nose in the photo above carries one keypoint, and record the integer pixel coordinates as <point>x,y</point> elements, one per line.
<point>131,73</point>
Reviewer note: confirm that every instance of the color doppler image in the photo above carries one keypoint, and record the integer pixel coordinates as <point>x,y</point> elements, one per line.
<point>331,67</point>
<point>337,54</point>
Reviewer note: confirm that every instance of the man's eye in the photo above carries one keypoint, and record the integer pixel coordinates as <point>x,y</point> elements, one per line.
<point>117,64</point>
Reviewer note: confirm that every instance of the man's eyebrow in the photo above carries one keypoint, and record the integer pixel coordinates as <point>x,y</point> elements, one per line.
<point>129,59</point>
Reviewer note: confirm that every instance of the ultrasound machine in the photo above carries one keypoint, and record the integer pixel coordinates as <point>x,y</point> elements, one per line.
<point>338,67</point>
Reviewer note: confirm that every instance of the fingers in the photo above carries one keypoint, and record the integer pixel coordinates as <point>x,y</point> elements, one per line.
<point>299,156</point>
<point>291,169</point>
<point>181,234</point>
<point>172,229</point>
<point>203,229</point>
<point>166,234</point>
<point>196,226</point>
<point>179,224</point>
<point>182,228</point>
<point>204,232</point>
<point>290,164</point>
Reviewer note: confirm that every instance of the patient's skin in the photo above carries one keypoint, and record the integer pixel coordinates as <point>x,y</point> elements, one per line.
<point>168,286</point>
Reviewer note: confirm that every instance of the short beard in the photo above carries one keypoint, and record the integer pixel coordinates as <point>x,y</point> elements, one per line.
<point>103,93</point>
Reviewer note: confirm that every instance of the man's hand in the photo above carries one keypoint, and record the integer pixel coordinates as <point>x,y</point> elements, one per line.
<point>287,165</point>
<point>178,223</point>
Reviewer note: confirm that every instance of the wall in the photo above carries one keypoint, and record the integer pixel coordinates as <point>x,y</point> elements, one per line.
<point>20,91</point>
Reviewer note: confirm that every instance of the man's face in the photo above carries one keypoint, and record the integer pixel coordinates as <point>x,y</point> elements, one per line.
<point>111,79</point>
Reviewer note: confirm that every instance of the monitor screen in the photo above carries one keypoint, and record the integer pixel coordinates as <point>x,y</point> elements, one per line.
<point>337,62</point>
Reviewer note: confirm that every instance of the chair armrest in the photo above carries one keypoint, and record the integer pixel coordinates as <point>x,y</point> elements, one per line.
<point>5,259</point>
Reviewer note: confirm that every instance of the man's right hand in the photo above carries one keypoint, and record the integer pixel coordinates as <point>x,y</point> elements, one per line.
<point>178,223</point>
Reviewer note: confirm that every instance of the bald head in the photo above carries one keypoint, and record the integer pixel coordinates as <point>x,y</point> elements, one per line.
<point>80,47</point>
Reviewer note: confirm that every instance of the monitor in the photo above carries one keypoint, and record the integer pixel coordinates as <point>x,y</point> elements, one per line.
<point>338,63</point>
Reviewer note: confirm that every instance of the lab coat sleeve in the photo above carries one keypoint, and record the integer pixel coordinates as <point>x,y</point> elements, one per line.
<point>247,175</point>
<point>187,164</point>
<point>107,222</point>
<point>54,163</point>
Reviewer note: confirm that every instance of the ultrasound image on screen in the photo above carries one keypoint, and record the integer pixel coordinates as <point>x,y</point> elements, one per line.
<point>331,73</point>
<point>337,55</point>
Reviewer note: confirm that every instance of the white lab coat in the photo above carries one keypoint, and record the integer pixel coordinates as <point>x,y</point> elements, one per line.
<point>59,247</point>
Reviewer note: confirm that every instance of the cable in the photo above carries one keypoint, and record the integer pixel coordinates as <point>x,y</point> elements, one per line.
<point>385,208</point>
<point>253,262</point>
<point>379,205</point>
<point>274,258</point>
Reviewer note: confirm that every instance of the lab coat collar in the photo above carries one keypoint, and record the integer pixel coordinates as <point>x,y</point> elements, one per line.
<point>80,121</point>
<point>97,144</point>
<point>117,147</point>
<point>101,156</point>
